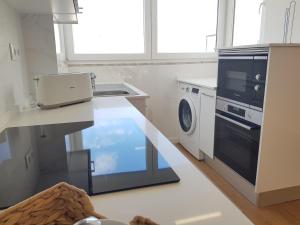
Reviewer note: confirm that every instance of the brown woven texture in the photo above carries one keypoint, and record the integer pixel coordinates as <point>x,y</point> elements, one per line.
<point>139,220</point>
<point>61,204</point>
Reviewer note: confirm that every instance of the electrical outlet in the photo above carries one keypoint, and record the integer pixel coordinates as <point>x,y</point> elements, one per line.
<point>14,52</point>
<point>28,158</point>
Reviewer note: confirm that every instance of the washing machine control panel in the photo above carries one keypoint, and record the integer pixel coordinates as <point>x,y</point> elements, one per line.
<point>189,89</point>
<point>195,90</point>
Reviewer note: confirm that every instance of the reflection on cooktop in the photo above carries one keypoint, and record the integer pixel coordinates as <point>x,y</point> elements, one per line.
<point>108,156</point>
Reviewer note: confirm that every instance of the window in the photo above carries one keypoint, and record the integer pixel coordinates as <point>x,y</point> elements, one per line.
<point>186,26</point>
<point>57,39</point>
<point>110,27</point>
<point>247,22</point>
<point>143,29</point>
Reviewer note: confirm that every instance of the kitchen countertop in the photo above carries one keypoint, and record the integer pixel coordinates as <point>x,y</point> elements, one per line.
<point>137,93</point>
<point>194,200</point>
<point>210,82</point>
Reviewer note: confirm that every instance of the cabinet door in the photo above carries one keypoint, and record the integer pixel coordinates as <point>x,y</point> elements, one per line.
<point>64,12</point>
<point>207,122</point>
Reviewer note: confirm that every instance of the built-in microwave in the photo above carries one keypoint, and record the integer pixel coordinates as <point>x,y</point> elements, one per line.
<point>241,78</point>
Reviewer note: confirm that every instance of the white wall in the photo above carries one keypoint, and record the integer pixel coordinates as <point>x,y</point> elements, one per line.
<point>39,41</point>
<point>274,11</point>
<point>62,66</point>
<point>13,74</point>
<point>159,81</point>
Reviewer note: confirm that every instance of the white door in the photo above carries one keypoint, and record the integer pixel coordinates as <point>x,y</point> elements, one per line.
<point>207,122</point>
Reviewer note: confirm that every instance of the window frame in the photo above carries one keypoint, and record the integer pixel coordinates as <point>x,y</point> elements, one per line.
<point>228,24</point>
<point>199,55</point>
<point>72,56</point>
<point>224,32</point>
<point>232,9</point>
<point>61,35</point>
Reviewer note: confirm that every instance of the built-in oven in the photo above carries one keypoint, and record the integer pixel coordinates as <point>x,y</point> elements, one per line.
<point>237,134</point>
<point>242,78</point>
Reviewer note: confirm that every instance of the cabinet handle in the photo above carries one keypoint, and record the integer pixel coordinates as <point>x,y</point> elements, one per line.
<point>93,166</point>
<point>211,96</point>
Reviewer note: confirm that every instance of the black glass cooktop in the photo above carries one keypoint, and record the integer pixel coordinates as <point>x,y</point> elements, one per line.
<point>109,156</point>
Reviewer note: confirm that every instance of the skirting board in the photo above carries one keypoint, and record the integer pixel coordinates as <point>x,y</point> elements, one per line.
<point>239,183</point>
<point>174,140</point>
<point>278,196</point>
<point>248,190</point>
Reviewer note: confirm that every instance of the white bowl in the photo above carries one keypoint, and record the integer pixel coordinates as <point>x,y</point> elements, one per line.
<point>94,221</point>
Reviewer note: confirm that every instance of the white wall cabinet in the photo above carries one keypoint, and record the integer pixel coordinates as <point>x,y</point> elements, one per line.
<point>63,11</point>
<point>207,121</point>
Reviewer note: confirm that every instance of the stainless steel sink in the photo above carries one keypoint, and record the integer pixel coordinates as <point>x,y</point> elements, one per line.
<point>111,93</point>
<point>117,89</point>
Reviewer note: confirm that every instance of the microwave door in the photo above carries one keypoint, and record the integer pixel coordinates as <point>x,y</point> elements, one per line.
<point>234,78</point>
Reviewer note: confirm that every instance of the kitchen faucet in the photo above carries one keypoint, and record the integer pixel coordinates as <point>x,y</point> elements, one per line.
<point>93,80</point>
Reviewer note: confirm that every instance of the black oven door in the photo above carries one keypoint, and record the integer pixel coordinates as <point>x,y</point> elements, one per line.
<point>234,78</point>
<point>236,145</point>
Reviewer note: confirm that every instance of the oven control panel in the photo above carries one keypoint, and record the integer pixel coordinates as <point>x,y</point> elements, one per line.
<point>243,112</point>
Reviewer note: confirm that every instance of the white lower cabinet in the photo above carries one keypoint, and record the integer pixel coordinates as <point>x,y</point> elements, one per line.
<point>207,121</point>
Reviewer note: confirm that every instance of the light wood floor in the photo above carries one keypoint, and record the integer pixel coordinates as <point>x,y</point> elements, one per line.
<point>281,214</point>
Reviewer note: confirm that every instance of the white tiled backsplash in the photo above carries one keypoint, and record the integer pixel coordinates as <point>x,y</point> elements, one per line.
<point>157,80</point>
<point>13,74</point>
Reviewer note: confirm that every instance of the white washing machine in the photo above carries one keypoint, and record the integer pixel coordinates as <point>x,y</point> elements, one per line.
<point>188,115</point>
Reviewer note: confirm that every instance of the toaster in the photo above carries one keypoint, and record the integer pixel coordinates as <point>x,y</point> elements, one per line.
<point>56,90</point>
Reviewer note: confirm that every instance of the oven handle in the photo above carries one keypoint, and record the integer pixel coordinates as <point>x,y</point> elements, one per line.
<point>93,166</point>
<point>236,57</point>
<point>234,121</point>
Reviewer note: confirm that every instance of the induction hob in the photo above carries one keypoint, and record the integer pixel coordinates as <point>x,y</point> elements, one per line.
<point>112,155</point>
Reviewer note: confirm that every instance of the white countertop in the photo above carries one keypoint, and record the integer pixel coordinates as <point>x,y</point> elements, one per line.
<point>194,200</point>
<point>210,82</point>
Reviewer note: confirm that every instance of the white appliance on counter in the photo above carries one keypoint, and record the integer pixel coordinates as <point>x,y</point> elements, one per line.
<point>56,90</point>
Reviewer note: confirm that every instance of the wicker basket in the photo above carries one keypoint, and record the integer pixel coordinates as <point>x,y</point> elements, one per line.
<point>61,204</point>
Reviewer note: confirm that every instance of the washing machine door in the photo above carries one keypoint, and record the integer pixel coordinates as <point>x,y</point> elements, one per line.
<point>187,115</point>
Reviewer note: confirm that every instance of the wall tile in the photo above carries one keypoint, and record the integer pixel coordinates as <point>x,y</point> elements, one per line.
<point>159,81</point>
<point>13,74</point>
